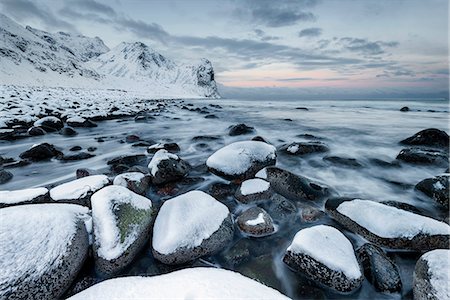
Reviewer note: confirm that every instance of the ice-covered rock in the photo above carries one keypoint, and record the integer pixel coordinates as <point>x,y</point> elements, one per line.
<point>381,271</point>
<point>253,190</point>
<point>80,190</point>
<point>436,188</point>
<point>121,220</point>
<point>389,226</point>
<point>192,283</point>
<point>189,226</point>
<point>325,255</point>
<point>255,222</point>
<point>49,123</point>
<point>40,152</point>
<point>42,248</point>
<point>134,181</point>
<point>166,167</point>
<point>428,137</point>
<point>292,186</point>
<point>26,196</point>
<point>241,160</point>
<point>431,276</point>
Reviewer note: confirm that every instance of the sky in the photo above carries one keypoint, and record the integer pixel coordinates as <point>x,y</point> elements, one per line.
<point>265,48</point>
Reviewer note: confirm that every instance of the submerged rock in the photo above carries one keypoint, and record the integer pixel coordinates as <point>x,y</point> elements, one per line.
<point>431,276</point>
<point>323,254</point>
<point>343,161</point>
<point>436,188</point>
<point>255,222</point>
<point>404,109</point>
<point>423,156</point>
<point>36,131</point>
<point>5,176</point>
<point>381,271</point>
<point>121,227</point>
<point>68,131</point>
<point>304,148</point>
<point>26,196</point>
<point>252,190</point>
<point>41,257</point>
<point>80,190</point>
<point>241,160</point>
<point>240,129</point>
<point>49,123</point>
<point>40,152</point>
<point>292,186</point>
<point>167,167</point>
<point>78,156</point>
<point>190,226</point>
<point>431,137</point>
<point>388,226</point>
<point>134,181</point>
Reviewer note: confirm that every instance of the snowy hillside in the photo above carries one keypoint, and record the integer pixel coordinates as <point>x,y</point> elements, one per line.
<point>32,57</point>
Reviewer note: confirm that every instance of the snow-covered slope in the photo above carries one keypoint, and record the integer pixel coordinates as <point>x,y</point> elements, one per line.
<point>32,57</point>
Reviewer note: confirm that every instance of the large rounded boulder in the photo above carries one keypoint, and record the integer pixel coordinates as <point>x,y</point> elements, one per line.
<point>241,160</point>
<point>167,167</point>
<point>190,226</point>
<point>431,137</point>
<point>49,123</point>
<point>25,196</point>
<point>42,249</point>
<point>437,188</point>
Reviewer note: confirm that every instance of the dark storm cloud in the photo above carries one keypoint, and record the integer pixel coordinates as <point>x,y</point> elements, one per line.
<point>23,10</point>
<point>310,32</point>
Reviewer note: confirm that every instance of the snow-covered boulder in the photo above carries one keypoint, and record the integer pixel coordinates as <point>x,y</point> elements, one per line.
<point>389,226</point>
<point>252,190</point>
<point>26,196</point>
<point>255,222</point>
<point>431,276</point>
<point>292,186</point>
<point>192,283</point>
<point>121,227</point>
<point>436,188</point>
<point>379,269</point>
<point>241,160</point>
<point>42,248</point>
<point>134,181</point>
<point>189,226</point>
<point>80,190</point>
<point>49,123</point>
<point>166,167</point>
<point>80,122</point>
<point>325,255</point>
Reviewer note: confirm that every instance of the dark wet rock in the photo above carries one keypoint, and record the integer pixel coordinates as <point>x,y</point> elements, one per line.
<point>423,156</point>
<point>308,136</point>
<point>431,137</point>
<point>310,214</point>
<point>309,254</point>
<point>437,188</point>
<point>80,122</point>
<point>238,254</point>
<point>143,118</point>
<point>78,156</point>
<point>80,285</point>
<point>280,208</point>
<point>6,134</point>
<point>132,138</point>
<point>134,181</point>
<point>220,190</point>
<point>292,186</point>
<point>211,116</point>
<point>240,129</point>
<point>304,148</point>
<point>36,131</point>
<point>301,108</point>
<point>259,139</point>
<point>167,167</point>
<point>252,190</point>
<point>141,169</point>
<point>343,161</point>
<point>255,222</point>
<point>75,148</point>
<point>175,249</point>
<point>128,160</point>
<point>80,173</point>
<point>171,147</point>
<point>142,144</point>
<point>40,152</point>
<point>261,269</point>
<point>122,216</point>
<point>241,160</point>
<point>409,231</point>
<point>6,160</point>
<point>100,140</point>
<point>404,108</point>
<point>206,138</point>
<point>5,176</point>
<point>49,124</point>
<point>384,164</point>
<point>16,164</point>
<point>91,149</point>
<point>431,276</point>
<point>379,269</point>
<point>68,131</point>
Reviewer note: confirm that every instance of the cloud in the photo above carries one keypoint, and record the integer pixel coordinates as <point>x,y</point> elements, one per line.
<point>263,36</point>
<point>24,10</point>
<point>310,32</point>
<point>365,46</point>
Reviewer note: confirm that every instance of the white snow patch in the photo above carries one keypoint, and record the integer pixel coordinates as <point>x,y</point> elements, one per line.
<point>262,173</point>
<point>158,157</point>
<point>390,222</point>
<point>238,157</point>
<point>76,119</point>
<point>293,148</point>
<point>438,262</point>
<point>187,220</point>
<point>46,119</point>
<point>106,232</point>
<point>12,197</point>
<point>191,283</point>
<point>254,186</point>
<point>122,179</point>
<point>329,246</point>
<point>438,185</point>
<point>78,188</point>
<point>34,238</point>
<point>257,221</point>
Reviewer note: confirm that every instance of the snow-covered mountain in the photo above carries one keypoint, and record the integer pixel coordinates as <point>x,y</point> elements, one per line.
<point>32,57</point>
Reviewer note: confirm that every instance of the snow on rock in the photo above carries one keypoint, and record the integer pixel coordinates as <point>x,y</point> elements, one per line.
<point>49,123</point>
<point>26,196</point>
<point>389,226</point>
<point>432,277</point>
<point>252,190</point>
<point>241,160</point>
<point>79,190</point>
<point>256,222</point>
<point>437,188</point>
<point>134,181</point>
<point>166,167</point>
<point>42,248</point>
<point>325,255</point>
<point>121,226</point>
<point>189,226</point>
<point>191,283</point>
